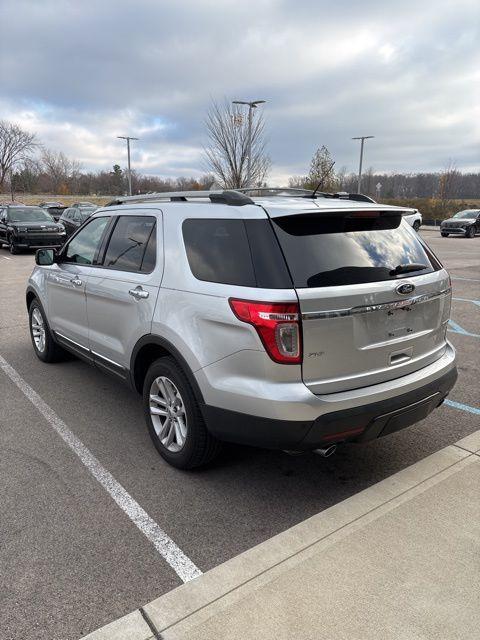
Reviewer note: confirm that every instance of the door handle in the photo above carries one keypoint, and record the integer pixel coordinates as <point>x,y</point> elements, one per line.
<point>138,293</point>
<point>76,281</point>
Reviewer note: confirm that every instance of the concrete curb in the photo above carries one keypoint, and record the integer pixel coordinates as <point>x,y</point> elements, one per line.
<point>130,627</point>
<point>199,599</point>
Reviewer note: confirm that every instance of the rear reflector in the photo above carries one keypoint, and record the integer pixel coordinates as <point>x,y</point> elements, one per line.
<point>342,435</point>
<point>277,324</point>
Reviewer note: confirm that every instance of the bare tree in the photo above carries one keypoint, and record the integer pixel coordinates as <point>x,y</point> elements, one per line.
<point>15,145</point>
<point>447,185</point>
<point>63,173</point>
<point>26,176</point>
<point>226,155</point>
<point>322,174</point>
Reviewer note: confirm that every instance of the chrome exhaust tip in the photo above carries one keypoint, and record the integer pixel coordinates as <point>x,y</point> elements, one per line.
<point>327,451</point>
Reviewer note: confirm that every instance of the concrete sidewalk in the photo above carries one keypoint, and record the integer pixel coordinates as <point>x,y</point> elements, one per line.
<point>400,560</point>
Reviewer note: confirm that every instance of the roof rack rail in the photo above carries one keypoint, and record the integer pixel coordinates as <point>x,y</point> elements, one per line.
<point>230,197</point>
<point>295,191</point>
<point>306,193</point>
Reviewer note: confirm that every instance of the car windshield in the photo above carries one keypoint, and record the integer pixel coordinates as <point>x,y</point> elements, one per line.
<point>466,214</point>
<point>29,214</point>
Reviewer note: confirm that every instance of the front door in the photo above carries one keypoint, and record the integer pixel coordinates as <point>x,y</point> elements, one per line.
<point>67,280</point>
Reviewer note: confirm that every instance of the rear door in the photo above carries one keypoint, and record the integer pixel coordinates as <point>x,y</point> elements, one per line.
<point>122,291</point>
<point>366,317</point>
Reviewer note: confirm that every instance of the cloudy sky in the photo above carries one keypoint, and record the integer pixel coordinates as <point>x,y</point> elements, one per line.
<point>80,73</point>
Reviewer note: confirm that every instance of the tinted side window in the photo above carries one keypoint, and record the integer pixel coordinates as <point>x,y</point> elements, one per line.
<point>218,251</point>
<point>268,262</point>
<point>84,245</point>
<point>128,243</point>
<point>150,255</point>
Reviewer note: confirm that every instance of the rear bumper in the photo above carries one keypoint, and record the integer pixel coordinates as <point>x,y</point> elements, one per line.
<point>360,423</point>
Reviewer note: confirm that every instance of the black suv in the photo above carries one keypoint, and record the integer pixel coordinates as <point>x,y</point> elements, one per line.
<point>55,209</point>
<point>73,217</point>
<point>465,222</point>
<point>23,227</point>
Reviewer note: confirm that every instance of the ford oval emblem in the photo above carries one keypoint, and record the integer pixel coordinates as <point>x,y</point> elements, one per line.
<point>405,288</point>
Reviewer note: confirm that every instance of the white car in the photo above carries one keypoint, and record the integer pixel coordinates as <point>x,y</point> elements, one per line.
<point>414,218</point>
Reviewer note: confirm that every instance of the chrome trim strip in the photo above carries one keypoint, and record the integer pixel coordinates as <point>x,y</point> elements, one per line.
<point>384,306</point>
<point>80,346</point>
<point>107,360</point>
<point>93,353</point>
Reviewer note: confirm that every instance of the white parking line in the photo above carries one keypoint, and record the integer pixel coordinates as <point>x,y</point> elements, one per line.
<point>6,258</point>
<point>165,546</point>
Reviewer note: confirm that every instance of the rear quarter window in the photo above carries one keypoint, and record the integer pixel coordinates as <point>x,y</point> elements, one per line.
<point>218,251</point>
<point>237,252</point>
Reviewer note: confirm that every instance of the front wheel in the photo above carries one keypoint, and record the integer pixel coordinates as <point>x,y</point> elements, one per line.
<point>174,419</point>
<point>14,250</point>
<point>416,225</point>
<point>46,349</point>
<point>470,232</point>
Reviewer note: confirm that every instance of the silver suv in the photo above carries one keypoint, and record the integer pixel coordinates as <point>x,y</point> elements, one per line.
<point>286,322</point>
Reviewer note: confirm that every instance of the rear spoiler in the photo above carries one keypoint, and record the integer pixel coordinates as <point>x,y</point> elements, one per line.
<point>375,211</point>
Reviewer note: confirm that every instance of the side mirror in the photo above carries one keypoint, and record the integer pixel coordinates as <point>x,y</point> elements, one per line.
<point>45,257</point>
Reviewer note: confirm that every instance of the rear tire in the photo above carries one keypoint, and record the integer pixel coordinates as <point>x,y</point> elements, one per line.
<point>443,234</point>
<point>46,349</point>
<point>174,419</point>
<point>470,232</point>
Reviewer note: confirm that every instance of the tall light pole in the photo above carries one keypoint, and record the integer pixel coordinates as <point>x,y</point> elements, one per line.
<point>251,106</point>
<point>129,174</point>
<point>362,138</point>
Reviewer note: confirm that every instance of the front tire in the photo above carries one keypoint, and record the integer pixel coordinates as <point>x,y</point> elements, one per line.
<point>416,225</point>
<point>14,250</point>
<point>470,232</point>
<point>174,419</point>
<point>46,349</point>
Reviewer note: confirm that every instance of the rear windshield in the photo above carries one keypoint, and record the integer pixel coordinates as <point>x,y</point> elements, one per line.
<point>324,251</point>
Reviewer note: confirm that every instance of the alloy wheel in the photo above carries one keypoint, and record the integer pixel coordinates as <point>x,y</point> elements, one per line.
<point>38,329</point>
<point>168,415</point>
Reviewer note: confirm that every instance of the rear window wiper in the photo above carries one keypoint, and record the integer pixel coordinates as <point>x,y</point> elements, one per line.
<point>406,268</point>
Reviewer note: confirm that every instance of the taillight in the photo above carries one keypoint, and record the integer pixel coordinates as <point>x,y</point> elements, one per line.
<point>277,324</point>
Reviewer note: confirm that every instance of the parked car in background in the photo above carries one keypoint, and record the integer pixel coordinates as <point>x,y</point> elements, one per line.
<point>285,322</point>
<point>24,227</point>
<point>80,205</point>
<point>414,218</point>
<point>466,222</point>
<point>73,217</point>
<point>55,209</point>
<point>45,205</point>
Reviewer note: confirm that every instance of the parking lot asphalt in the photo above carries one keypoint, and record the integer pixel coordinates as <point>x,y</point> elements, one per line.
<point>71,560</point>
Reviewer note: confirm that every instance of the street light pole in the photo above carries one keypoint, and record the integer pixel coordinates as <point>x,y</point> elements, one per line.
<point>129,171</point>
<point>251,106</point>
<point>362,138</point>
